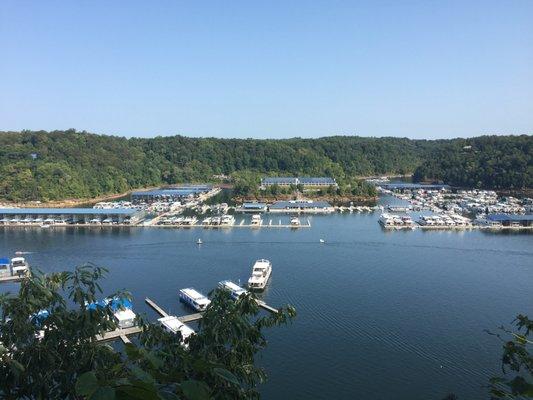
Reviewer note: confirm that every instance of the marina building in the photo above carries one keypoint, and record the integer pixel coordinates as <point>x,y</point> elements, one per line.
<point>252,208</point>
<point>171,193</point>
<point>511,220</point>
<point>302,206</point>
<point>413,186</point>
<point>307,182</point>
<point>51,216</point>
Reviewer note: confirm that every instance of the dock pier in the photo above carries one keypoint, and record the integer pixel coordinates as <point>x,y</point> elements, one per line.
<point>123,333</point>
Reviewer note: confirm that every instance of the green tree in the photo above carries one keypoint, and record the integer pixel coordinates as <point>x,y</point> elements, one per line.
<point>68,362</point>
<point>517,362</point>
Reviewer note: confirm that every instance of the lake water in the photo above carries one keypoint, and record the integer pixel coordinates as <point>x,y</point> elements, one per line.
<point>381,315</point>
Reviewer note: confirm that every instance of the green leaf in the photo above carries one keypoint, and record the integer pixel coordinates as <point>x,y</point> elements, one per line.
<point>103,393</point>
<point>86,384</point>
<point>195,390</point>
<point>225,374</point>
<point>16,367</point>
<point>168,395</point>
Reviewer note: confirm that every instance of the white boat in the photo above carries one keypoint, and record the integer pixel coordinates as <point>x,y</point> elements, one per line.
<point>189,221</point>
<point>261,272</point>
<point>173,325</point>
<point>206,221</point>
<point>19,266</point>
<point>322,241</point>
<point>235,290</point>
<point>295,221</point>
<point>194,299</point>
<point>256,220</point>
<point>199,241</point>
<point>227,220</point>
<point>386,220</point>
<point>125,318</point>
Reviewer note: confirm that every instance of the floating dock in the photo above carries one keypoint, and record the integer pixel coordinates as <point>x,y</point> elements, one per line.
<point>123,334</point>
<point>13,278</point>
<point>239,225</point>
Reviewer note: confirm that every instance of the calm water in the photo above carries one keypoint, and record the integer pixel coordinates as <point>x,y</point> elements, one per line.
<point>396,315</point>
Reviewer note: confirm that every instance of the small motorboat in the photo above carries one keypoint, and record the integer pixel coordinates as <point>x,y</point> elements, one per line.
<point>322,241</point>
<point>199,241</point>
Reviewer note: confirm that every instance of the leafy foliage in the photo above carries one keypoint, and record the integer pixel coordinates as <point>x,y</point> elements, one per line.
<point>517,361</point>
<point>70,164</point>
<point>68,362</point>
<point>485,162</point>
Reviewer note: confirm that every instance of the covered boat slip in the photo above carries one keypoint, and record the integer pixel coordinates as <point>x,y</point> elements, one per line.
<point>65,216</point>
<point>512,220</point>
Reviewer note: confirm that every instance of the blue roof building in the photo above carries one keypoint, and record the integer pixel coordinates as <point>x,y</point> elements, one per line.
<point>301,206</point>
<point>412,186</point>
<point>305,181</point>
<point>174,193</point>
<point>40,215</point>
<point>512,219</point>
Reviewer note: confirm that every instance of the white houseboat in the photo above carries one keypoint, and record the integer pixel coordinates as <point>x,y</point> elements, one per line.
<point>194,299</point>
<point>173,325</point>
<point>125,318</point>
<point>295,221</point>
<point>227,220</point>
<point>261,272</point>
<point>235,290</point>
<point>19,266</point>
<point>256,220</point>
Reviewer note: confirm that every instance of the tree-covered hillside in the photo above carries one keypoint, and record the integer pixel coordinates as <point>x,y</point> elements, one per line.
<point>69,164</point>
<point>483,162</point>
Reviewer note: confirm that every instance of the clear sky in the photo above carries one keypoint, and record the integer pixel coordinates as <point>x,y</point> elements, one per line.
<point>421,69</point>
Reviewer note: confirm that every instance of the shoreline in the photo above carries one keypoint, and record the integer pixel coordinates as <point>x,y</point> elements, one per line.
<point>72,203</point>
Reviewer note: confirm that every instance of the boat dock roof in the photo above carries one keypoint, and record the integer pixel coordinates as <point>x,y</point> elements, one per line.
<point>67,211</point>
<point>510,217</point>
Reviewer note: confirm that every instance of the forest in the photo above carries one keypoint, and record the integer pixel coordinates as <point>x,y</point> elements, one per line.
<point>45,166</point>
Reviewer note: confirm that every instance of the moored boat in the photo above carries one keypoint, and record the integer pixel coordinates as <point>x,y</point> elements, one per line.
<point>235,290</point>
<point>194,299</point>
<point>261,272</point>
<point>19,266</point>
<point>256,220</point>
<point>173,325</point>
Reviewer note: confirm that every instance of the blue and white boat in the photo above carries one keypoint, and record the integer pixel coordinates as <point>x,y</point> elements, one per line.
<point>121,309</point>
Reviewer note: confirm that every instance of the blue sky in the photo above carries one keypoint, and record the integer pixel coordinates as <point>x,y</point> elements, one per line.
<point>421,69</point>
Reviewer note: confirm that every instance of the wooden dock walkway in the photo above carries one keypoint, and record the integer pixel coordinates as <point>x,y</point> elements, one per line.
<point>265,306</point>
<point>14,278</point>
<point>119,334</point>
<point>123,333</point>
<point>158,309</point>
<point>184,318</point>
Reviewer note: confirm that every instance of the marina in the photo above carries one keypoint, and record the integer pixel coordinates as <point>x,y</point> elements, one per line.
<point>375,293</point>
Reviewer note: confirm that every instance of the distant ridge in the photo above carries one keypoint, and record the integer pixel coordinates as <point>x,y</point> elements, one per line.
<point>39,165</point>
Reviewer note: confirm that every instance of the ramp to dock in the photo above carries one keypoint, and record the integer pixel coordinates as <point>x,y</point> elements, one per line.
<point>265,306</point>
